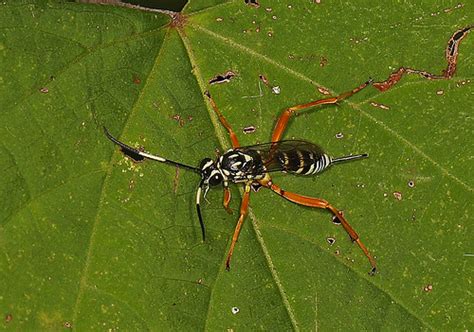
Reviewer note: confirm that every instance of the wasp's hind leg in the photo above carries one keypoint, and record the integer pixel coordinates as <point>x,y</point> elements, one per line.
<point>323,204</point>
<point>289,112</point>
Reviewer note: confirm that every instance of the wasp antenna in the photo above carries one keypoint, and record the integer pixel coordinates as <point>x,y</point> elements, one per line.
<point>132,152</point>
<point>348,158</point>
<point>198,208</point>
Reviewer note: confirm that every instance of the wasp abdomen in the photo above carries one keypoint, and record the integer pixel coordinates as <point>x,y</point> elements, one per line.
<point>302,161</point>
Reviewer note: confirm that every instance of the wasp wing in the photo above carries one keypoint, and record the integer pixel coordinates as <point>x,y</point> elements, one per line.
<point>285,155</point>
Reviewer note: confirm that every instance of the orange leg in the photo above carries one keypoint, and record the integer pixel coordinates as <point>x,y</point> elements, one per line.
<point>243,212</point>
<point>227,197</point>
<point>322,204</point>
<point>222,119</point>
<point>286,115</point>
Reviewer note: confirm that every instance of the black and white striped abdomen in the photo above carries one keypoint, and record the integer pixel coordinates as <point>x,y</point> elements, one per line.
<point>302,162</point>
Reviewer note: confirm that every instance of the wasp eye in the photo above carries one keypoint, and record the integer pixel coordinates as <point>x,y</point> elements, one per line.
<point>215,179</point>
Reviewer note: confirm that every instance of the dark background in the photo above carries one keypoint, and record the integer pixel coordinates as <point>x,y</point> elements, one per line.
<point>174,5</point>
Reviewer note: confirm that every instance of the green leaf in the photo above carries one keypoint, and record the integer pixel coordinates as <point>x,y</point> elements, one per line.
<point>93,241</point>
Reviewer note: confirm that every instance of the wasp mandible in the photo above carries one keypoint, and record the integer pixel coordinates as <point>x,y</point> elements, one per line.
<point>252,165</point>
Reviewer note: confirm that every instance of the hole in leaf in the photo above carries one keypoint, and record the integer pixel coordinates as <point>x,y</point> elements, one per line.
<point>222,78</point>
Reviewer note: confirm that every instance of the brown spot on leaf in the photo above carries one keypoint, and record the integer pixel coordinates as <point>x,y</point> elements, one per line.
<point>178,119</point>
<point>178,20</point>
<point>451,55</point>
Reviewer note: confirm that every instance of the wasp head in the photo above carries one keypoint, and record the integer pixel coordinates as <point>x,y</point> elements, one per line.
<point>211,175</point>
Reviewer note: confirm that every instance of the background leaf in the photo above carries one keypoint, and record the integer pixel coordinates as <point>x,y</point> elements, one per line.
<point>91,240</point>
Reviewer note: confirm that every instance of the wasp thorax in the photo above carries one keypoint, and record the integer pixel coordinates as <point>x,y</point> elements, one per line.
<point>210,173</point>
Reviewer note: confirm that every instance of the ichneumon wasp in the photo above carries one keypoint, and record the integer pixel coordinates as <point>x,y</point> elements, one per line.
<point>252,165</point>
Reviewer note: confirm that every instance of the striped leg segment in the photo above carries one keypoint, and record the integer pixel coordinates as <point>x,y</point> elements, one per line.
<point>289,112</point>
<point>322,204</point>
<point>222,119</point>
<point>244,206</point>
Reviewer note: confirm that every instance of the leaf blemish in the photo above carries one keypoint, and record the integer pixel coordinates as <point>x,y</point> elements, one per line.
<point>222,78</point>
<point>257,29</point>
<point>331,240</point>
<point>178,20</point>
<point>428,288</point>
<point>235,310</point>
<point>249,129</point>
<point>275,89</point>
<point>451,56</point>
<point>178,119</point>
<point>397,195</point>
<point>264,79</point>
<point>253,3</point>
<point>462,83</point>
<point>323,61</point>
<point>378,105</point>
<point>323,91</point>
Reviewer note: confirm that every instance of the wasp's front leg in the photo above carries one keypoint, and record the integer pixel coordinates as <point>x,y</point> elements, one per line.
<point>227,197</point>
<point>244,206</point>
